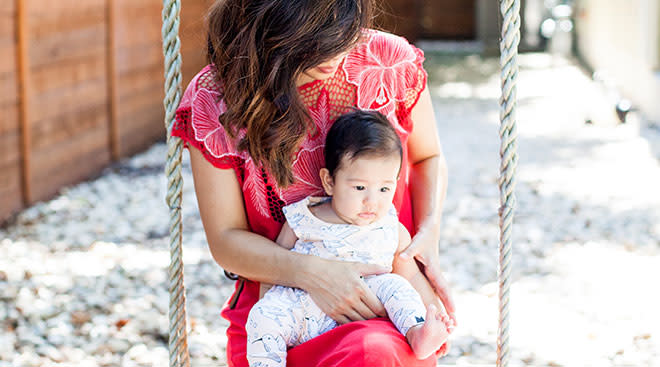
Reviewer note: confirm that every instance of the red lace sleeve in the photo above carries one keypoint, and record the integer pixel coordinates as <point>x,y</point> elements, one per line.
<point>196,122</point>
<point>416,85</point>
<point>412,88</point>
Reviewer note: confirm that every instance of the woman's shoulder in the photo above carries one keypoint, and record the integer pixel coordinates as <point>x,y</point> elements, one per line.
<point>384,45</point>
<point>197,121</point>
<point>203,96</point>
<point>207,79</point>
<point>387,71</point>
<point>204,81</point>
<point>369,33</point>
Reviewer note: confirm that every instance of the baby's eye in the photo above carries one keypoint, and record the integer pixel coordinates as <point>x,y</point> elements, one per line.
<point>359,188</point>
<point>384,189</point>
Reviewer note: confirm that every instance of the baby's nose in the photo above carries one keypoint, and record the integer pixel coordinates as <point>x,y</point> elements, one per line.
<point>369,199</point>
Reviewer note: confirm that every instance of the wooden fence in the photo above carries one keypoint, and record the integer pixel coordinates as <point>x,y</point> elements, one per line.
<point>430,19</point>
<point>81,85</point>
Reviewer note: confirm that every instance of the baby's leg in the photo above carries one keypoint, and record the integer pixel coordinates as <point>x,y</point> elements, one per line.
<point>271,326</point>
<point>425,330</point>
<point>315,321</point>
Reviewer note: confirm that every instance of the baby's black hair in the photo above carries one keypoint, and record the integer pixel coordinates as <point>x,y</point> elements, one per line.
<point>360,133</point>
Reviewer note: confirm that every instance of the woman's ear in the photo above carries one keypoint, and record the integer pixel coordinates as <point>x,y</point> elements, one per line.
<point>326,181</point>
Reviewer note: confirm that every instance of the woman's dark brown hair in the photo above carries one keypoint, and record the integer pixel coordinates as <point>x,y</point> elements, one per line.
<point>259,48</point>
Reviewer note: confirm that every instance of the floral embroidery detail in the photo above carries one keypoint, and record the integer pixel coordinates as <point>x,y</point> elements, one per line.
<point>321,116</point>
<point>255,186</point>
<point>310,159</point>
<point>389,110</point>
<point>207,106</point>
<point>306,173</point>
<point>381,68</point>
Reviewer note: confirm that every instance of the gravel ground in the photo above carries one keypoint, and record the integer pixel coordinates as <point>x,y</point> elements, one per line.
<point>83,276</point>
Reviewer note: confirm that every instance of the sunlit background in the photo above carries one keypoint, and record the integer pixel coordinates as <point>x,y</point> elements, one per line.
<point>84,246</point>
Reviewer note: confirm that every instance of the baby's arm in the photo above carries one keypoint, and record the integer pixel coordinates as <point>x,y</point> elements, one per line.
<point>287,238</point>
<point>409,270</point>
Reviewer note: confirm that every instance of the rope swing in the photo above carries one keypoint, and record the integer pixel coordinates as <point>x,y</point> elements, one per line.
<point>178,344</point>
<point>510,38</point>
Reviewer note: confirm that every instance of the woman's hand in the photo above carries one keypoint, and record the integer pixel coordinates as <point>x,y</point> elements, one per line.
<point>424,250</point>
<point>428,188</point>
<point>339,291</point>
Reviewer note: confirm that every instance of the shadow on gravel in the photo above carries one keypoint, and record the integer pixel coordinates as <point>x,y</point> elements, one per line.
<point>468,129</point>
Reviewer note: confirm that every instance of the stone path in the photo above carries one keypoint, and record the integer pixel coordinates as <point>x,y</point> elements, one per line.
<point>82,277</point>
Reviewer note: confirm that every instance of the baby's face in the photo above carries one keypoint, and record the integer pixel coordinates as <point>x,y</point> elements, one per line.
<point>363,188</point>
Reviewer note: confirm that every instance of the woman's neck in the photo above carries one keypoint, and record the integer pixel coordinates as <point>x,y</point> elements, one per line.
<point>303,79</point>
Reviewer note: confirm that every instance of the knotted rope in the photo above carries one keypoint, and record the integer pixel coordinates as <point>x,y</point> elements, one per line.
<point>510,37</point>
<point>178,345</point>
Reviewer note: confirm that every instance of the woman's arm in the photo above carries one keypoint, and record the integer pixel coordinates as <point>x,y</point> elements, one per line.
<point>428,188</point>
<point>334,285</point>
<point>230,241</point>
<point>428,173</point>
<point>408,269</point>
<point>287,239</point>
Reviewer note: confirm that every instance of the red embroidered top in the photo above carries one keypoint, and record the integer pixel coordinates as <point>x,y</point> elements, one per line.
<point>383,72</point>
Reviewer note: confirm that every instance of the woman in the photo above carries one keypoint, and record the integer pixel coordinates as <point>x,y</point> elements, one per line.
<point>280,72</point>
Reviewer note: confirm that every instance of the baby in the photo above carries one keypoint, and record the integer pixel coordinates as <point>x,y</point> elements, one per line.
<point>358,223</point>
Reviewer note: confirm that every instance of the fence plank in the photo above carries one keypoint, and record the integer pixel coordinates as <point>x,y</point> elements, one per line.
<point>68,46</point>
<point>140,73</point>
<point>10,147</point>
<point>8,94</point>
<point>24,92</point>
<point>400,17</point>
<point>10,138</point>
<point>10,191</point>
<point>448,19</point>
<point>148,127</point>
<point>70,162</point>
<point>193,38</point>
<point>59,129</point>
<point>10,169</point>
<point>64,92</point>
<point>111,9</point>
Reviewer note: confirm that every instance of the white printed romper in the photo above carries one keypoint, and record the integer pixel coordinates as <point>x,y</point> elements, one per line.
<point>286,316</point>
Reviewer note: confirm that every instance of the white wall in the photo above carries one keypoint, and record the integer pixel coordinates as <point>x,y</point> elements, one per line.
<point>620,38</point>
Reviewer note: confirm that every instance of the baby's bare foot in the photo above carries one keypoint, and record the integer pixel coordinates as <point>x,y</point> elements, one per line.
<point>428,337</point>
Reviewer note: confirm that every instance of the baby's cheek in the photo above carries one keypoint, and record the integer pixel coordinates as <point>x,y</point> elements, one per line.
<point>382,212</point>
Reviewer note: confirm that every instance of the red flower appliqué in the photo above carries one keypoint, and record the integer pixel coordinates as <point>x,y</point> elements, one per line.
<point>255,187</point>
<point>381,68</point>
<point>207,106</point>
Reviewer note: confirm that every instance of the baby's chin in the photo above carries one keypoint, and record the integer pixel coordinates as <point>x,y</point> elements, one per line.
<point>365,220</point>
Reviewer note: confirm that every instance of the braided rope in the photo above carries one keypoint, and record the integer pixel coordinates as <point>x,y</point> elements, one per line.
<point>510,37</point>
<point>178,345</point>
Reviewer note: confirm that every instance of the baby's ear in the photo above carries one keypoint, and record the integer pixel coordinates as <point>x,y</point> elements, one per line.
<point>326,181</point>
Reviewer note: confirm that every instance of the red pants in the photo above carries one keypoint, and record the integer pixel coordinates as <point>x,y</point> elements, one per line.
<point>372,343</point>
